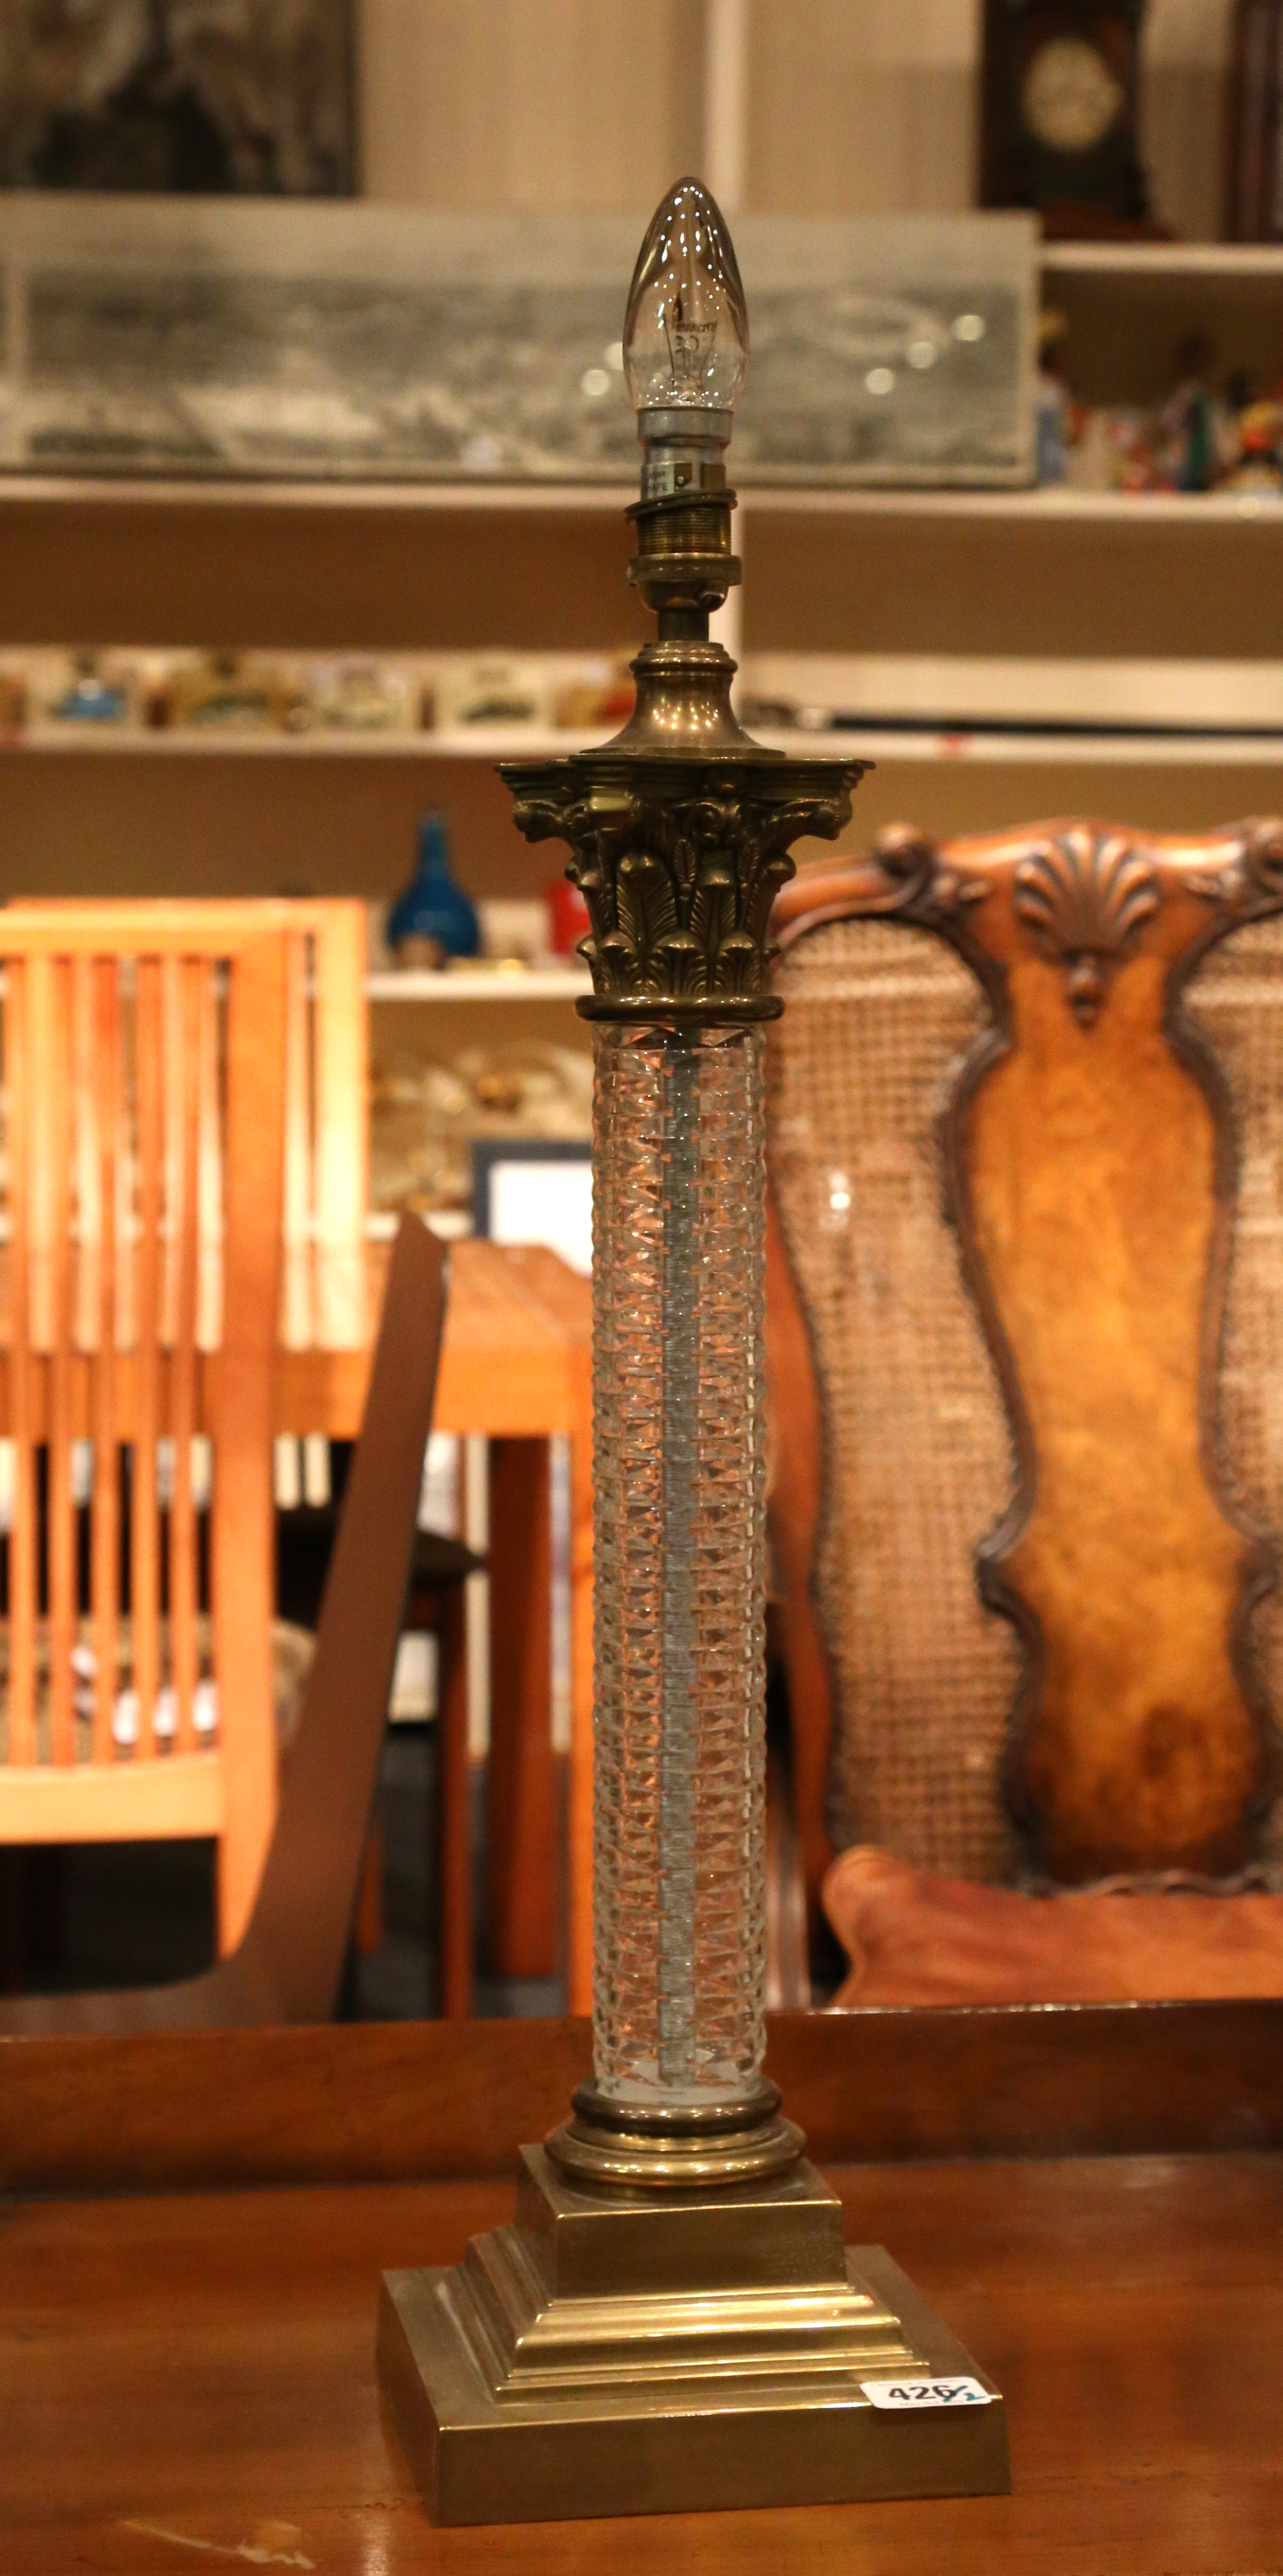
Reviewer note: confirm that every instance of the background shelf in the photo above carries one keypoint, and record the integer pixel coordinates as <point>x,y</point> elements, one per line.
<point>1162,262</point>
<point>1051,502</point>
<point>479,984</point>
<point>470,742</point>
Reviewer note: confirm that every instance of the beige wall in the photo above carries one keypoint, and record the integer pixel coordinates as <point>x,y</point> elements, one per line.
<point>860,109</point>
<point>853,105</point>
<point>563,105</point>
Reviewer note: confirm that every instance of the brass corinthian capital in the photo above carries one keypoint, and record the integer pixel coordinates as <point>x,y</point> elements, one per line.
<point>680,861</point>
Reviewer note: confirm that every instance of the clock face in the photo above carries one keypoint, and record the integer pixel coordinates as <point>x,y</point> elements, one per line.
<point>1070,97</point>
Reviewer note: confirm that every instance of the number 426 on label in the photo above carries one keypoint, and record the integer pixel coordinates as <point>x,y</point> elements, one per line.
<point>913,2396</point>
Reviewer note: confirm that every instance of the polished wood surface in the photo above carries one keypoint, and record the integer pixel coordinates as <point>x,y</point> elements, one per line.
<point>402,2101</point>
<point>1090,1159</point>
<point>514,1363</point>
<point>795,1471</point>
<point>193,2377</point>
<point>522,1907</point>
<point>1088,1165</point>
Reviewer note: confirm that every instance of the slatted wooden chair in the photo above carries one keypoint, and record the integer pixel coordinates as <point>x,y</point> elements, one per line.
<point>287,1965</point>
<point>1025,1311</point>
<point>184,1149</point>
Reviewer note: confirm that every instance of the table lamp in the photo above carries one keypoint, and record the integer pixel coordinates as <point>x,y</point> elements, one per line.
<point>672,2322</point>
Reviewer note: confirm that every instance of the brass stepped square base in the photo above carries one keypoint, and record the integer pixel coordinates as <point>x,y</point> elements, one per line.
<point>618,2352</point>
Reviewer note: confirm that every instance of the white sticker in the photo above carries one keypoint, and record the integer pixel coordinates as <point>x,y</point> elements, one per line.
<point>911,2396</point>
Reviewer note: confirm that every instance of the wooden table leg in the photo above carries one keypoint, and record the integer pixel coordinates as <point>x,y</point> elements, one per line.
<point>580,1836</point>
<point>522,1839</point>
<point>454,1796</point>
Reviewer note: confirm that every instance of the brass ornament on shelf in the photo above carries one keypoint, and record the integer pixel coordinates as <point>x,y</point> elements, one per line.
<point>672,2322</point>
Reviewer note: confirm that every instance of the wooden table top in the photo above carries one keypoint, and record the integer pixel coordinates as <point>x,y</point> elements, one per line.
<point>192,2378</point>
<point>187,2356</point>
<point>515,1358</point>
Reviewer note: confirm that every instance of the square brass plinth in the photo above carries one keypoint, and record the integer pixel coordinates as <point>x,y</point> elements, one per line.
<point>619,2352</point>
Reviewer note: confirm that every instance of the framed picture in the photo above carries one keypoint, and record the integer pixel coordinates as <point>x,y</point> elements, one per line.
<point>215,336</point>
<point>535,1190</point>
<point>178,97</point>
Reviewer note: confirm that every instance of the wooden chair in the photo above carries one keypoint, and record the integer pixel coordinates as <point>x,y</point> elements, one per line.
<point>435,1605</point>
<point>288,1962</point>
<point>1025,1298</point>
<point>185,1176</point>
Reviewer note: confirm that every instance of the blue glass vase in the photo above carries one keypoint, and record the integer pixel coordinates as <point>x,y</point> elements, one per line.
<point>432,919</point>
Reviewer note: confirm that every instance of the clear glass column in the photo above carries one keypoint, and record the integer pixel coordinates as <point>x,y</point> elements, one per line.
<point>679,1484</point>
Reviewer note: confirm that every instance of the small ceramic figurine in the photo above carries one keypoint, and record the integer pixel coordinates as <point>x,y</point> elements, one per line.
<point>237,691</point>
<point>433,920</point>
<point>89,698</point>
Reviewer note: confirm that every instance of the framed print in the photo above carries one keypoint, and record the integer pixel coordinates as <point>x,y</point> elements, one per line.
<point>535,1190</point>
<point>178,97</point>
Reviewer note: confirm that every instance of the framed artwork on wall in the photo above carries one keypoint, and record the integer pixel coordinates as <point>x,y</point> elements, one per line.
<point>213,336</point>
<point>178,97</point>
<point>535,1189</point>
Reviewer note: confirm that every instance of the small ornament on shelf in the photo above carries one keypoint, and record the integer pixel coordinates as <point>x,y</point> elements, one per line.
<point>91,695</point>
<point>569,919</point>
<point>1051,400</point>
<point>514,932</point>
<point>603,696</point>
<point>365,693</point>
<point>240,692</point>
<point>1060,100</point>
<point>433,920</point>
<point>425,1117</point>
<point>1202,436</point>
<point>490,692</point>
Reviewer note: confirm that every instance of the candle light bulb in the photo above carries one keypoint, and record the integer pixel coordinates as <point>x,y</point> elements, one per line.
<point>686,330</point>
<point>685,339</point>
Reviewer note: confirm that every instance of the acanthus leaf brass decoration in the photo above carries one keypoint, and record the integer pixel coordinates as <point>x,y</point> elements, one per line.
<point>679,867</point>
<point>1084,896</point>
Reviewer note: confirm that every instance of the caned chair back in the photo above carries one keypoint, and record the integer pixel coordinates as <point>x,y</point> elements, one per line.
<point>1025,1305</point>
<point>175,1206</point>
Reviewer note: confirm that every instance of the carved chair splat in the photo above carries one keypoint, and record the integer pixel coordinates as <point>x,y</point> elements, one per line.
<point>1026,1157</point>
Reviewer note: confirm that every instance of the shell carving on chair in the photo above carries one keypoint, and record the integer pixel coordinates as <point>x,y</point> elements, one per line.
<point>1084,896</point>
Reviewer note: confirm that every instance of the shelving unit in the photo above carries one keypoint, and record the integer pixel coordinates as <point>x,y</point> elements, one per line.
<point>1052,502</point>
<point>1261,262</point>
<point>881,743</point>
<point>479,566</point>
<point>90,738</point>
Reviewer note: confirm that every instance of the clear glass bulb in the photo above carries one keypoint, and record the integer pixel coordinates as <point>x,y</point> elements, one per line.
<point>686,330</point>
